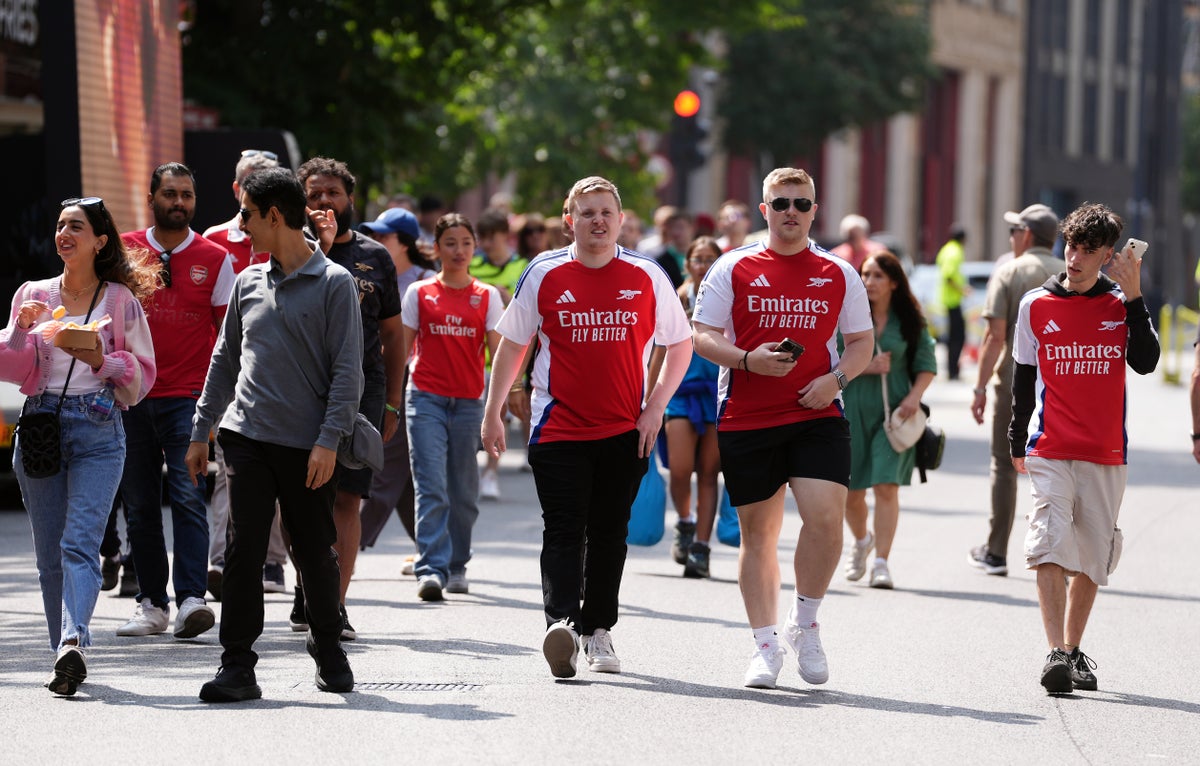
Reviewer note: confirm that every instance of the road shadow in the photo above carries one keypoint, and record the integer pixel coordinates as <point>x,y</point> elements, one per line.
<point>809,697</point>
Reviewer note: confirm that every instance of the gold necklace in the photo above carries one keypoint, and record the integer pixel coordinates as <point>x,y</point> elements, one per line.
<point>75,294</point>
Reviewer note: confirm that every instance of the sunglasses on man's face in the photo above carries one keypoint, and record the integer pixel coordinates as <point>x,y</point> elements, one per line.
<point>781,204</point>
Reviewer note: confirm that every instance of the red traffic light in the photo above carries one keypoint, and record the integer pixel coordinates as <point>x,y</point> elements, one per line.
<point>687,103</point>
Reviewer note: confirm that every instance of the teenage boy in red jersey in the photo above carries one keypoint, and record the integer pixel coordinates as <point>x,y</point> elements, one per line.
<point>597,309</point>
<point>1074,334</point>
<point>781,422</point>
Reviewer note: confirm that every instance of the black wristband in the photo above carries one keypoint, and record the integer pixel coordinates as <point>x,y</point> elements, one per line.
<point>1196,437</point>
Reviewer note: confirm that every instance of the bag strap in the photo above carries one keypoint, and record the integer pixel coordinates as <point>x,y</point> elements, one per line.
<point>71,369</point>
<point>887,410</point>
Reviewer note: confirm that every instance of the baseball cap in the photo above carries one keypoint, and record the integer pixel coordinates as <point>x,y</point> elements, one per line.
<point>1038,218</point>
<point>391,221</point>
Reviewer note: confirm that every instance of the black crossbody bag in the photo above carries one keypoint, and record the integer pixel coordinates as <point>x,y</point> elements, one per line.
<point>39,434</point>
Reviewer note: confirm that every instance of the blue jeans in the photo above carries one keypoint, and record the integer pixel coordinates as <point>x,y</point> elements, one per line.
<point>68,512</point>
<point>156,429</point>
<point>443,436</point>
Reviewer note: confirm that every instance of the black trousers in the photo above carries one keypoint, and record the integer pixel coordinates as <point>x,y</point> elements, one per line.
<point>259,474</point>
<point>957,336</point>
<point>586,489</point>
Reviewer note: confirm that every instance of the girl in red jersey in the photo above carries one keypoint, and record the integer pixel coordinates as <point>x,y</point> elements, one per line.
<point>447,320</point>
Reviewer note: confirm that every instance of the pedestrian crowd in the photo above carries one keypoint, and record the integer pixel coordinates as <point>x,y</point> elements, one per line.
<point>273,343</point>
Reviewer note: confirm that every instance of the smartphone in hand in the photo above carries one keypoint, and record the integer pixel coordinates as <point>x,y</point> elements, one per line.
<point>790,346</point>
<point>1137,247</point>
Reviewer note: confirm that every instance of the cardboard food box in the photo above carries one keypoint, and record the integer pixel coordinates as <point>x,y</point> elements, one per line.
<point>70,338</point>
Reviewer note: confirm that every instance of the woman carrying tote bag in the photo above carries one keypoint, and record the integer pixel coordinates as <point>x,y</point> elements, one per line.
<point>905,364</point>
<point>69,466</point>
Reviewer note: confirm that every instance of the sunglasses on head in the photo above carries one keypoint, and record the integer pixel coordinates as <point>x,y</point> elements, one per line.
<point>272,156</point>
<point>781,204</point>
<point>83,201</point>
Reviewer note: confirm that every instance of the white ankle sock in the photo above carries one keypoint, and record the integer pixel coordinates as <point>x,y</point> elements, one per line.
<point>806,610</point>
<point>766,638</point>
<point>880,562</point>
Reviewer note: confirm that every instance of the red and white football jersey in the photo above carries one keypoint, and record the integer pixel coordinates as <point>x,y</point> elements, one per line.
<point>452,326</point>
<point>185,317</point>
<point>237,243</point>
<point>759,296</point>
<point>596,328</point>
<point>1078,343</point>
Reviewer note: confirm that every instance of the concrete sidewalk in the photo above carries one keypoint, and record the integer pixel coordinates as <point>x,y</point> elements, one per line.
<point>943,669</point>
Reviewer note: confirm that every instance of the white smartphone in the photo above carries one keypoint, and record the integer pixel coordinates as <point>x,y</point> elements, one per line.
<point>1137,247</point>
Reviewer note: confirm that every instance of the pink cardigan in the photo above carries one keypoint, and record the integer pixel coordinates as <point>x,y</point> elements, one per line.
<point>129,351</point>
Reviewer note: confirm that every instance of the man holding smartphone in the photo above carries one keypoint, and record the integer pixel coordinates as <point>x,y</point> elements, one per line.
<point>781,422</point>
<point>1074,336</point>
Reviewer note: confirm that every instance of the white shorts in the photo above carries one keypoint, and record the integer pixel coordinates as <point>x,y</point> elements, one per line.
<point>1074,518</point>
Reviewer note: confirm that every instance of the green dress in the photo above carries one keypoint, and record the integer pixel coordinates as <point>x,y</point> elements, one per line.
<point>872,459</point>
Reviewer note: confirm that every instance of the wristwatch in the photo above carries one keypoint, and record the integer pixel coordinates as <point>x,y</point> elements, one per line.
<point>841,378</point>
<point>1196,437</point>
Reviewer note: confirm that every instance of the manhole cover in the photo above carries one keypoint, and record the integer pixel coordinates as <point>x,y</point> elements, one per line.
<point>409,686</point>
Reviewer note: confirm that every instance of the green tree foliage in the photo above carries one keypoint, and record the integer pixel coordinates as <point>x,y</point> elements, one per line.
<point>1190,170</point>
<point>849,63</point>
<point>441,94</point>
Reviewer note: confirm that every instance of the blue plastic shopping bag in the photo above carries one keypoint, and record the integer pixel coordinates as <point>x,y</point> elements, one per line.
<point>646,516</point>
<point>729,530</point>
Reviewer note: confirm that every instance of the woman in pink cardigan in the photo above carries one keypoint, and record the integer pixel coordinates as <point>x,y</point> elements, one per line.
<point>86,387</point>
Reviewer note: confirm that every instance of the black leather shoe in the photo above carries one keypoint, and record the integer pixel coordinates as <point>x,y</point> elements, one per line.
<point>333,669</point>
<point>231,684</point>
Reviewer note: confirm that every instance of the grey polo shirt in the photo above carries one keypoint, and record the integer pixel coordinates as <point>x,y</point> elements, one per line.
<point>287,367</point>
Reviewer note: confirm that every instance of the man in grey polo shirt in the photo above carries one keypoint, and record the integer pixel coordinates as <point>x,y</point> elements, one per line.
<point>286,376</point>
<point>1031,233</point>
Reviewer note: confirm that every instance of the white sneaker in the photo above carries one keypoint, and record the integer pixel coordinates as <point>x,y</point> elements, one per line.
<point>148,620</point>
<point>881,577</point>
<point>765,665</point>
<point>458,583</point>
<point>194,618</point>
<point>806,643</point>
<point>560,647</point>
<point>856,559</point>
<point>598,649</point>
<point>489,485</point>
<point>407,568</point>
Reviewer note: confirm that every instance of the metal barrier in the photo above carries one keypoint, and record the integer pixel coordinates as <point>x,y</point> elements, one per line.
<point>1176,327</point>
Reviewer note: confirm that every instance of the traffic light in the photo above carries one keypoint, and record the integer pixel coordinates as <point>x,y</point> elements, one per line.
<point>687,134</point>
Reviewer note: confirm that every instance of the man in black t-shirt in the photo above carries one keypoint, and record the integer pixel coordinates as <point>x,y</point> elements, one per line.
<point>329,185</point>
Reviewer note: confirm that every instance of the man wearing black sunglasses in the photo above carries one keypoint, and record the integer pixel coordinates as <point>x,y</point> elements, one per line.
<point>781,422</point>
<point>185,315</point>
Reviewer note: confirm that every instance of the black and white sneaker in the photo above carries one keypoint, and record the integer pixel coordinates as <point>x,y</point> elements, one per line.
<point>297,619</point>
<point>981,558</point>
<point>1081,670</point>
<point>685,533</point>
<point>69,671</point>
<point>348,631</point>
<point>1056,674</point>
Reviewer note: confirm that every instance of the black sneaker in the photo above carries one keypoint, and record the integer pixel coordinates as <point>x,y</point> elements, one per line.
<point>110,572</point>
<point>273,578</point>
<point>1056,675</point>
<point>348,632</point>
<point>297,619</point>
<point>231,684</point>
<point>1081,670</point>
<point>69,671</point>
<point>990,563</point>
<point>129,583</point>
<point>697,561</point>
<point>685,533</point>
<point>333,669</point>
<point>215,578</point>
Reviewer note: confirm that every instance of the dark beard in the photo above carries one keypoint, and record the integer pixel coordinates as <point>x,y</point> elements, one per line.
<point>162,220</point>
<point>344,219</point>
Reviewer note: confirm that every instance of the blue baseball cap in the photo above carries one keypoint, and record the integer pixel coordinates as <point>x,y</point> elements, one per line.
<point>392,220</point>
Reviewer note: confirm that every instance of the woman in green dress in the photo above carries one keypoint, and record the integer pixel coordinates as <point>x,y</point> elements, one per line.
<point>904,358</point>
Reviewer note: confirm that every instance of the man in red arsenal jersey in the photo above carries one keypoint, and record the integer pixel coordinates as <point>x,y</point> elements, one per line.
<point>1074,334</point>
<point>185,315</point>
<point>597,310</point>
<point>780,414</point>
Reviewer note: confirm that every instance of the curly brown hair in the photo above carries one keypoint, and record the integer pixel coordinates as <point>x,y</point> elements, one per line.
<point>1092,226</point>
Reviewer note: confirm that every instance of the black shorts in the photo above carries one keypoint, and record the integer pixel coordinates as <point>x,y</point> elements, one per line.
<point>757,463</point>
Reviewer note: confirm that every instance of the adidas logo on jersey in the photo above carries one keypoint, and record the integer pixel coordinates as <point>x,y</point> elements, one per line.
<point>1051,327</point>
<point>566,297</point>
<point>761,281</point>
